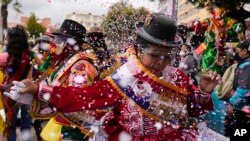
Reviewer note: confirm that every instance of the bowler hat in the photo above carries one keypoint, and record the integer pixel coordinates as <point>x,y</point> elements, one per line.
<point>158,29</point>
<point>95,37</point>
<point>72,29</point>
<point>95,31</point>
<point>44,38</point>
<point>231,41</point>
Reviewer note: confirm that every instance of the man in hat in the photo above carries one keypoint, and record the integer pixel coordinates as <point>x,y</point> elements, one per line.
<point>42,45</point>
<point>96,39</point>
<point>104,66</point>
<point>72,67</point>
<point>105,63</point>
<point>238,109</point>
<point>100,67</point>
<point>147,103</point>
<point>41,49</point>
<point>63,43</point>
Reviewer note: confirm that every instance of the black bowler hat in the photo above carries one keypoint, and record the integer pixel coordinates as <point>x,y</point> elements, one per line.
<point>231,41</point>
<point>72,29</point>
<point>158,29</point>
<point>45,38</point>
<point>95,31</point>
<point>95,37</point>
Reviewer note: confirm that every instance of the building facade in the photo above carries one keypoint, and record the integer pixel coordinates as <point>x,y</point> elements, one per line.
<point>187,13</point>
<point>46,22</point>
<point>168,7</point>
<point>87,19</point>
<point>181,10</point>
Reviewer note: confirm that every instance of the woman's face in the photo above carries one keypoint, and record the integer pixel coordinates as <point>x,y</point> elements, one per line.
<point>60,42</point>
<point>184,50</point>
<point>155,58</point>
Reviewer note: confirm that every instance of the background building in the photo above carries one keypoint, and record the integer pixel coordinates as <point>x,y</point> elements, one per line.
<point>46,22</point>
<point>183,11</point>
<point>87,19</point>
<point>187,12</point>
<point>168,7</point>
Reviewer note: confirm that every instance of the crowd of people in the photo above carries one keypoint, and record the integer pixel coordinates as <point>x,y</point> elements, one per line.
<point>159,89</point>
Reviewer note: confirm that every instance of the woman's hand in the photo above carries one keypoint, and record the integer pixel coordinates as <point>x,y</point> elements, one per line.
<point>220,61</point>
<point>209,80</point>
<point>26,86</point>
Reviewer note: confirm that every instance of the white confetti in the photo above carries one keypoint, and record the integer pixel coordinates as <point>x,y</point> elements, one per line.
<point>40,56</point>
<point>79,79</point>
<point>124,136</point>
<point>44,46</point>
<point>46,96</point>
<point>158,125</point>
<point>71,41</point>
<point>54,109</point>
<point>94,129</point>
<point>26,134</point>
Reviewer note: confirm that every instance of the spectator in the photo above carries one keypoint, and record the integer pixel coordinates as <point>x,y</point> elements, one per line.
<point>17,67</point>
<point>238,115</point>
<point>188,63</point>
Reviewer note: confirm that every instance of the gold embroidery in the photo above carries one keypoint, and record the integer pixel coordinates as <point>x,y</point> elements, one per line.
<point>155,78</point>
<point>83,130</point>
<point>168,104</point>
<point>127,98</point>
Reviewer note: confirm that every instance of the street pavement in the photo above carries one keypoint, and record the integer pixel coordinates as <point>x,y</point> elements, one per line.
<point>33,138</point>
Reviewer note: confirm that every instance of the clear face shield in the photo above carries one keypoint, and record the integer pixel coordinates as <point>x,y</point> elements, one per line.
<point>60,42</point>
<point>166,55</point>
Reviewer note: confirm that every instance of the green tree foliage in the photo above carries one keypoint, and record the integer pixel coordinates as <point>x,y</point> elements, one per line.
<point>234,7</point>
<point>120,21</point>
<point>33,27</point>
